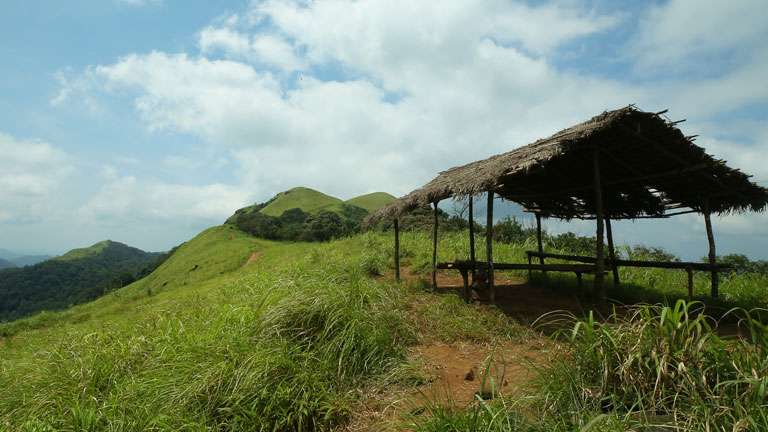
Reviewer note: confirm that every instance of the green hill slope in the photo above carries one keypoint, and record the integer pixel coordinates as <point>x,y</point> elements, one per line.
<point>77,276</point>
<point>305,199</point>
<point>301,214</point>
<point>372,201</point>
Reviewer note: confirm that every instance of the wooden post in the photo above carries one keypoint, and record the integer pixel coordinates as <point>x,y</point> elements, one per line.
<point>489,245</point>
<point>539,241</point>
<point>690,282</point>
<point>530,272</point>
<point>712,251</point>
<point>465,279</point>
<point>434,250</point>
<point>397,250</point>
<point>472,236</point>
<point>612,252</point>
<point>599,256</point>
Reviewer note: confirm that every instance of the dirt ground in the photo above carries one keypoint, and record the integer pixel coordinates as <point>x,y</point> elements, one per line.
<point>456,372</point>
<point>253,258</point>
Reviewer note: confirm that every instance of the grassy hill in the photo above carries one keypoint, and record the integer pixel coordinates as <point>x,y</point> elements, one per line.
<point>234,333</point>
<point>305,199</point>
<point>372,201</point>
<point>307,215</point>
<point>77,276</point>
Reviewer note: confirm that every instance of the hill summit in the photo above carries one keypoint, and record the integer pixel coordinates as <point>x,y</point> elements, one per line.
<point>305,214</point>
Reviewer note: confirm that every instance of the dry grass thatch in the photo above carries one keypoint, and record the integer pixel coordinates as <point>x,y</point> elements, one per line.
<point>648,168</point>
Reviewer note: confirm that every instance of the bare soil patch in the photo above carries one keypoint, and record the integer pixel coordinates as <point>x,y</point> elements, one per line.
<point>253,258</point>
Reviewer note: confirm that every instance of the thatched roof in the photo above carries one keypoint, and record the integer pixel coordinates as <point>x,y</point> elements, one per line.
<point>648,169</point>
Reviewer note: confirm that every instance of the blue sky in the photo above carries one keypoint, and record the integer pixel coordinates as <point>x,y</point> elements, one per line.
<point>145,121</point>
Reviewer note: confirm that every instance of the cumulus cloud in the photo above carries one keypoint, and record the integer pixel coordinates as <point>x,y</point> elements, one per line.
<point>123,198</point>
<point>30,172</point>
<point>265,49</point>
<point>686,34</point>
<point>416,87</point>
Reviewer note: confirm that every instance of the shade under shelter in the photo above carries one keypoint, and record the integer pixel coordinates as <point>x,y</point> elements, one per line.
<point>621,164</point>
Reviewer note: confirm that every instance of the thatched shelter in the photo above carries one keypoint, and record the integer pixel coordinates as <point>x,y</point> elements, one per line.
<point>621,164</point>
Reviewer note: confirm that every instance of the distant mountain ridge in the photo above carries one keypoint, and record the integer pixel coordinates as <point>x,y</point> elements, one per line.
<point>75,277</point>
<point>20,260</point>
<point>4,264</point>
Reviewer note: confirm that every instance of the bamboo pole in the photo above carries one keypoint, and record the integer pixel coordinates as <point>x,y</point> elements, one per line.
<point>397,250</point>
<point>712,251</point>
<point>472,236</point>
<point>489,245</point>
<point>599,256</point>
<point>612,252</point>
<point>539,240</point>
<point>434,250</point>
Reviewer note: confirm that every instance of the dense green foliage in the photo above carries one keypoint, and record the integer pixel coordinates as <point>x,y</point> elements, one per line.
<point>303,214</point>
<point>75,277</point>
<point>297,225</point>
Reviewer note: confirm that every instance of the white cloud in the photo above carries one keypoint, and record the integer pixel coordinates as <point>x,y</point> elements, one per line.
<point>124,198</point>
<point>433,85</point>
<point>264,49</point>
<point>30,173</point>
<point>691,33</point>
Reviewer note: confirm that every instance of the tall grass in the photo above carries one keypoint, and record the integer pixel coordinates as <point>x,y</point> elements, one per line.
<point>656,368</point>
<point>287,349</point>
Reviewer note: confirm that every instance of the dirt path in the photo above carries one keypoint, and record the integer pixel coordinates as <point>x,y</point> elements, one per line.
<point>455,374</point>
<point>253,258</point>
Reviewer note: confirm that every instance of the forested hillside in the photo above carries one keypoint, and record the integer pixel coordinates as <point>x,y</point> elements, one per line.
<point>75,277</point>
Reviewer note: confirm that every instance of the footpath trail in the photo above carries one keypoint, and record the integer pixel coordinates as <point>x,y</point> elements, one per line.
<point>455,372</point>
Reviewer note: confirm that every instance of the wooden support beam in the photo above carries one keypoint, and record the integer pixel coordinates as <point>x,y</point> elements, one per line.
<point>397,250</point>
<point>434,250</point>
<point>696,266</point>
<point>472,234</point>
<point>465,279</point>
<point>612,252</point>
<point>489,245</point>
<point>712,251</point>
<point>539,240</point>
<point>599,256</point>
<point>689,270</point>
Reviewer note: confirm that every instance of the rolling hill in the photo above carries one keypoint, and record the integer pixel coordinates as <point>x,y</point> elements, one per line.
<point>372,201</point>
<point>303,198</point>
<point>77,276</point>
<point>305,214</point>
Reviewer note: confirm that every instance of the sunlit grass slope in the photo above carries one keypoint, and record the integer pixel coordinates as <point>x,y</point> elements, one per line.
<point>296,339</point>
<point>372,201</point>
<point>287,342</point>
<point>306,199</point>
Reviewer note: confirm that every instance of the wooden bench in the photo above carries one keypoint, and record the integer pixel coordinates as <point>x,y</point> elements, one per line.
<point>465,266</point>
<point>689,267</point>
